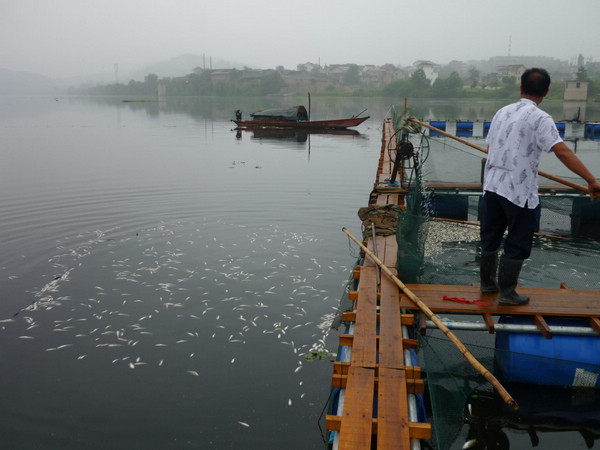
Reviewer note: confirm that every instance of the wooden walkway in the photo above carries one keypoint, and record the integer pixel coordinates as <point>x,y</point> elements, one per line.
<point>376,381</point>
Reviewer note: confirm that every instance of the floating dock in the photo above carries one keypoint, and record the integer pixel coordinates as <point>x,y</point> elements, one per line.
<point>377,378</point>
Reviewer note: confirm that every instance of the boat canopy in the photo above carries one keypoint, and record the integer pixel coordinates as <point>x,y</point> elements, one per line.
<point>295,113</point>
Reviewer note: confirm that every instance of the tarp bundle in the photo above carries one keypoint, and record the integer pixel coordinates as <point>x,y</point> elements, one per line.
<point>384,217</point>
<point>295,113</point>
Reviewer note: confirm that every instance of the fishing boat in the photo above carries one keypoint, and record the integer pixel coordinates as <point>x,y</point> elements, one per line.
<point>295,117</point>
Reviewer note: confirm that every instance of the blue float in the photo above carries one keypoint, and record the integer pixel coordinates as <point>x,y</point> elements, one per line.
<point>564,360</point>
<point>437,124</point>
<point>464,129</point>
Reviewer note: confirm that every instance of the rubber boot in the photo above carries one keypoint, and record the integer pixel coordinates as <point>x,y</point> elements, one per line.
<point>487,272</point>
<point>508,276</point>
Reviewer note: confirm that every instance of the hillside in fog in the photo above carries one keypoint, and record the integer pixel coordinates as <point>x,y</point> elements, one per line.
<point>19,83</point>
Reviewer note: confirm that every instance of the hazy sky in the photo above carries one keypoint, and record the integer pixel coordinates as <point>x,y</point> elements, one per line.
<point>78,37</point>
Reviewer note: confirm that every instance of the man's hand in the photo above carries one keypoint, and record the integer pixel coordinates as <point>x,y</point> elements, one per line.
<point>594,190</point>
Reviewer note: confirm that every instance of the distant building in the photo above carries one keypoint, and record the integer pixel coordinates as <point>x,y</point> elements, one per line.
<point>512,70</point>
<point>249,76</point>
<point>337,71</point>
<point>431,69</point>
<point>308,67</point>
<point>456,66</point>
<point>296,81</point>
<point>576,91</point>
<point>221,75</point>
<point>575,100</point>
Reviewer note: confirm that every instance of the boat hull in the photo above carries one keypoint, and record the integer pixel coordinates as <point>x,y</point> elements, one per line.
<point>302,125</point>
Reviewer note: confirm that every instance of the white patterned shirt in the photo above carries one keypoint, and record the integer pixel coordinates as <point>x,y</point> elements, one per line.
<point>518,134</point>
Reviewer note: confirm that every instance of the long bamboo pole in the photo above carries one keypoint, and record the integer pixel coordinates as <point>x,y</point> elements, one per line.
<point>441,326</point>
<point>560,180</point>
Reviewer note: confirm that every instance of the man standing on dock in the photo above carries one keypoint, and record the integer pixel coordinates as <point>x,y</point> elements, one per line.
<point>518,135</point>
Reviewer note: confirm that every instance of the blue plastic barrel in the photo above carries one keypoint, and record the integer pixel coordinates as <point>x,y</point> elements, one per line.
<point>437,124</point>
<point>564,360</point>
<point>486,128</point>
<point>588,131</point>
<point>464,129</point>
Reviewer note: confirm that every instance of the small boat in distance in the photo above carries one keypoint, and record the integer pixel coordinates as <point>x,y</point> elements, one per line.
<point>294,117</point>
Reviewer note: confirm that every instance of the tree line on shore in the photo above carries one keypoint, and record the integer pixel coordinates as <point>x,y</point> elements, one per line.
<point>417,85</point>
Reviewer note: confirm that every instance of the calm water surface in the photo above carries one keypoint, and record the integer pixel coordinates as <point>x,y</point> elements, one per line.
<point>162,277</point>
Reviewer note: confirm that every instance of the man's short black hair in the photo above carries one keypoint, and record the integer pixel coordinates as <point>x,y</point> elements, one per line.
<point>535,81</point>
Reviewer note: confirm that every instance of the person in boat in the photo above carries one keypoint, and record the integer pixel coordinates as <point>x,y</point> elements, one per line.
<point>518,135</point>
<point>238,115</point>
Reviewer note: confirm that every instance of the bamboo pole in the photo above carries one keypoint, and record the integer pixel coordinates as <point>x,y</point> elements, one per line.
<point>560,180</point>
<point>441,326</point>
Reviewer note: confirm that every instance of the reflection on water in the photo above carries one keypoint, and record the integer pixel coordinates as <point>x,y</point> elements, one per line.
<point>279,135</point>
<point>214,108</point>
<point>543,412</point>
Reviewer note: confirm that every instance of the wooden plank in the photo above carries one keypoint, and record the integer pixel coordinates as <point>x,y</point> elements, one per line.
<point>391,251</point>
<point>392,411</point>
<point>378,243</point>
<point>391,350</point>
<point>420,430</point>
<point>341,368</point>
<point>384,199</point>
<point>595,324</point>
<point>417,430</point>
<point>543,326</point>
<point>367,261</point>
<point>543,301</point>
<point>422,323</point>
<point>405,319</point>
<point>364,346</point>
<point>413,385</point>
<point>349,340</point>
<point>357,416</point>
<point>489,323</point>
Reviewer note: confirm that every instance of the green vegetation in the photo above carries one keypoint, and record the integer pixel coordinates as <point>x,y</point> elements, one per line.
<point>241,83</point>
